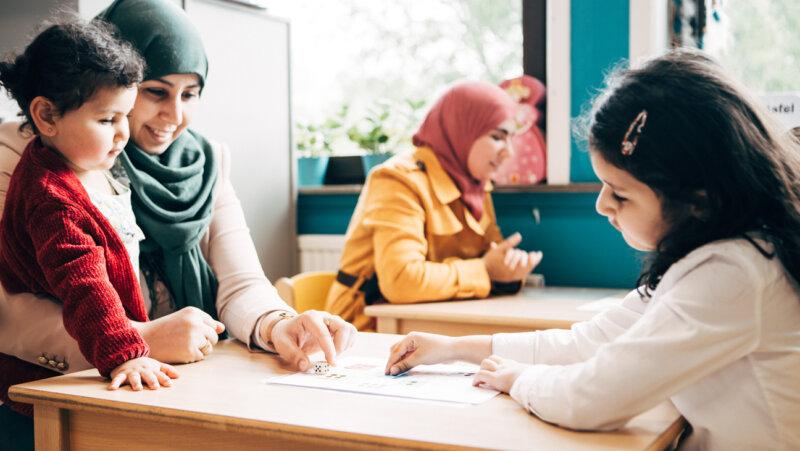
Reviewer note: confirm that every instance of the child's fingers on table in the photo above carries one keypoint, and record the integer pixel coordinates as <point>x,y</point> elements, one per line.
<point>163,379</point>
<point>149,379</point>
<point>169,371</point>
<point>135,381</point>
<point>117,381</point>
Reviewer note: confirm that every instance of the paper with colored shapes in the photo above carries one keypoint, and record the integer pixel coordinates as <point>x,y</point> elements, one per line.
<point>449,382</point>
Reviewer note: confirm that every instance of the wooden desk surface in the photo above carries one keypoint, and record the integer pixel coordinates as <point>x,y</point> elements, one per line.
<point>221,403</point>
<point>531,309</point>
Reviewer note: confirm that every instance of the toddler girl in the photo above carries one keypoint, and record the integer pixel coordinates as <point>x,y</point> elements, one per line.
<point>67,229</point>
<point>695,172</point>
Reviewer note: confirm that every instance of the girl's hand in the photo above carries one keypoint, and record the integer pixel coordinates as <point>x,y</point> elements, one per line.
<point>419,348</point>
<point>180,336</point>
<point>504,263</point>
<point>294,339</point>
<point>144,369</point>
<point>498,373</point>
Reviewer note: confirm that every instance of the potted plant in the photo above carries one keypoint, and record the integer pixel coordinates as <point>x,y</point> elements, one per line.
<point>314,148</point>
<point>383,131</point>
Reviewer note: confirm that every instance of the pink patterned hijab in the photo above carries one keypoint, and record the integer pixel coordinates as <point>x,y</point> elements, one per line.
<point>467,111</point>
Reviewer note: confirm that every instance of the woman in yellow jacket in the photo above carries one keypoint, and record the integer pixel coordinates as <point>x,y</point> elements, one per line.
<point>424,228</point>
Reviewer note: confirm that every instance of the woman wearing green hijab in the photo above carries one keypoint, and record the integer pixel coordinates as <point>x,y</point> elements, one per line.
<point>199,265</point>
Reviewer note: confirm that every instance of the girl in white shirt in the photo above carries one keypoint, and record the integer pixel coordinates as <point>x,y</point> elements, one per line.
<point>696,173</point>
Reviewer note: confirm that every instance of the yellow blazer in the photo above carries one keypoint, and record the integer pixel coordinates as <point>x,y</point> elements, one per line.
<point>411,228</point>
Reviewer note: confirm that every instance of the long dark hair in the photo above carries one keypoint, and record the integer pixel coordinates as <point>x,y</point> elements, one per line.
<point>716,157</point>
<point>67,63</point>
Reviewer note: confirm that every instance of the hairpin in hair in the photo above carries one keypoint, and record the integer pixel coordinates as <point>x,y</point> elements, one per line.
<point>632,135</point>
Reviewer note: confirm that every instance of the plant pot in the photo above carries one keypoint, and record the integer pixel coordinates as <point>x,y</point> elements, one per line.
<point>311,170</point>
<point>369,161</point>
<point>345,170</point>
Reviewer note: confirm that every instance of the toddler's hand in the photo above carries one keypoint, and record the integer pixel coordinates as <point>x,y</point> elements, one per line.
<point>498,373</point>
<point>144,369</point>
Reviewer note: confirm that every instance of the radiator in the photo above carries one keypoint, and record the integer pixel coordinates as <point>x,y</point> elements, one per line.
<point>319,252</point>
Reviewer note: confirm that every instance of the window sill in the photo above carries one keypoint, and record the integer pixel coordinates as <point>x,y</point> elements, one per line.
<point>569,188</point>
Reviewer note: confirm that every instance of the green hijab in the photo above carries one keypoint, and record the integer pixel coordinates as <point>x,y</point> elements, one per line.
<point>163,34</point>
<point>172,192</point>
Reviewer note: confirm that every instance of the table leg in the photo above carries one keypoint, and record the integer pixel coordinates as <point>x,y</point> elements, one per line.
<point>388,326</point>
<point>51,428</point>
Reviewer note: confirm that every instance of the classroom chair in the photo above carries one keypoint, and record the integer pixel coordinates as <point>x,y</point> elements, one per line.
<point>306,291</point>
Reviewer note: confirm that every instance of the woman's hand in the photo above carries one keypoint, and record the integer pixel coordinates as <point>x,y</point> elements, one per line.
<point>504,263</point>
<point>498,373</point>
<point>144,369</point>
<point>295,338</point>
<point>419,348</point>
<point>181,336</point>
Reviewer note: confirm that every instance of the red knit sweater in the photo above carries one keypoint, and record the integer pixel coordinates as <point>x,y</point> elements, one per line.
<point>55,241</point>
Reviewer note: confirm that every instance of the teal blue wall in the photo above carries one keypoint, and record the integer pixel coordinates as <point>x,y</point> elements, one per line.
<point>580,247</point>
<point>324,213</point>
<point>599,40</point>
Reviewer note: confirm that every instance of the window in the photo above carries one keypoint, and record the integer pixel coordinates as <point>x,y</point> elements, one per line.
<point>391,59</point>
<point>758,41</point>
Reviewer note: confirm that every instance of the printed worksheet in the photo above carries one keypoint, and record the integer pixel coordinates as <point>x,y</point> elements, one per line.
<point>450,382</point>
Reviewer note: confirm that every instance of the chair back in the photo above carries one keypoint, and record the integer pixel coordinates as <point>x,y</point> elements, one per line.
<point>306,291</point>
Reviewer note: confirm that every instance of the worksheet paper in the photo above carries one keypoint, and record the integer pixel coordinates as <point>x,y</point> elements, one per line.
<point>450,382</point>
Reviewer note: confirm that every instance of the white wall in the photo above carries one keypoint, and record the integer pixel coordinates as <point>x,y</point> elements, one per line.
<point>245,104</point>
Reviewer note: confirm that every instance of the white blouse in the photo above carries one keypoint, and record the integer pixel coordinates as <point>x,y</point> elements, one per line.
<point>117,209</point>
<point>720,337</point>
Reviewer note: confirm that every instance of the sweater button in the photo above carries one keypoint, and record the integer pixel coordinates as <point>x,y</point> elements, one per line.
<point>43,359</point>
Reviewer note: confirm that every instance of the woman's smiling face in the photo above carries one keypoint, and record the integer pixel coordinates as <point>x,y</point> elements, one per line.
<point>490,150</point>
<point>164,108</point>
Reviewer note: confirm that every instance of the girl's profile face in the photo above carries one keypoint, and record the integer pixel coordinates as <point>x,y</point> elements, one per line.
<point>91,136</point>
<point>490,150</point>
<point>164,108</point>
<point>631,207</point>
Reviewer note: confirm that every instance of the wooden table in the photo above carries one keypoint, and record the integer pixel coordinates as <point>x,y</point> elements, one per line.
<point>221,403</point>
<point>531,309</point>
